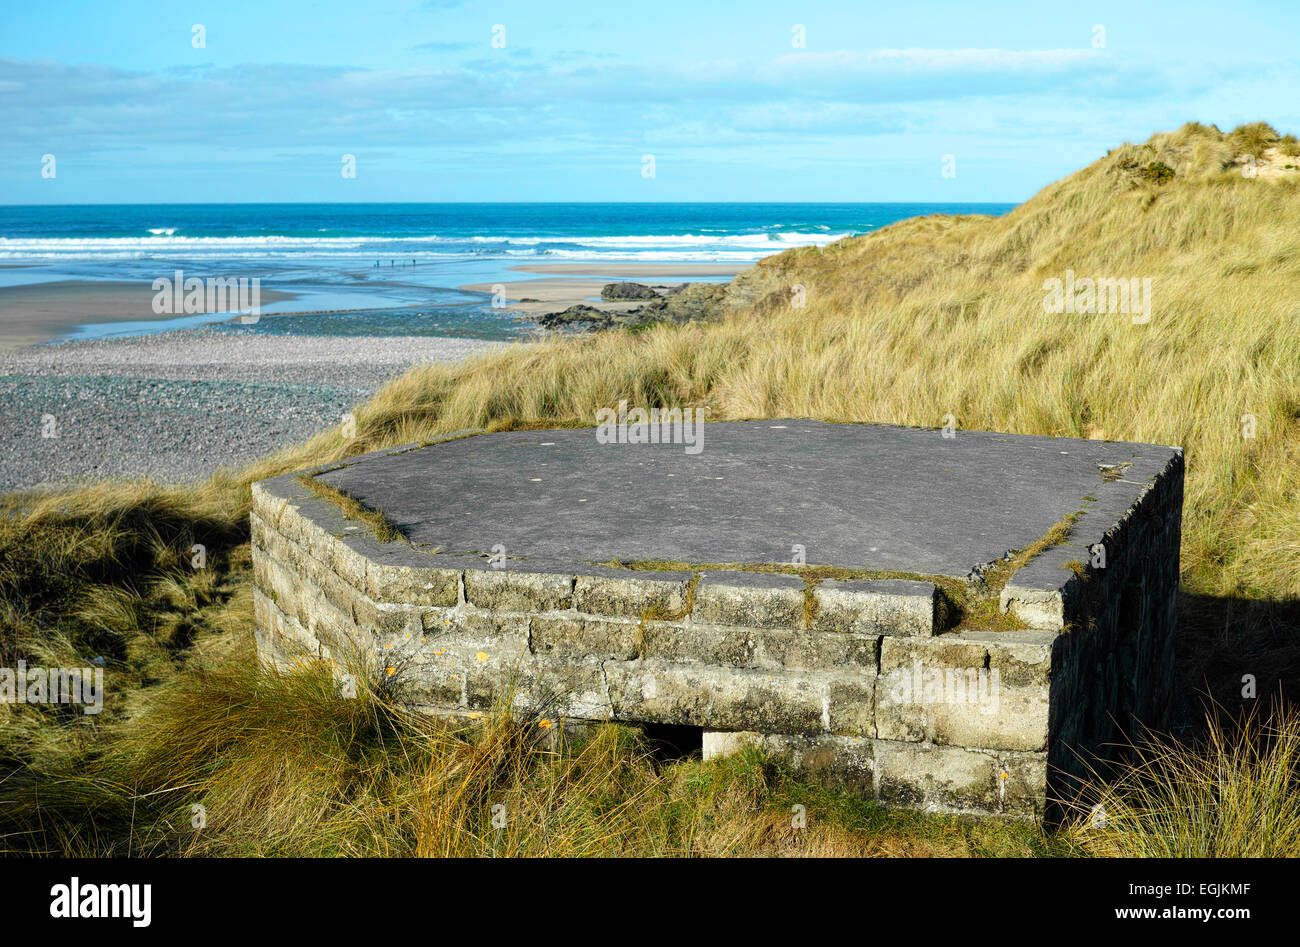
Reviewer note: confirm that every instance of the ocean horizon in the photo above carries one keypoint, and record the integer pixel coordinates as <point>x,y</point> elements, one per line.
<point>398,268</point>
<point>700,231</point>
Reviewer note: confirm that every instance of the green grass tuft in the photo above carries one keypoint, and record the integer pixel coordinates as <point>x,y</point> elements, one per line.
<point>1234,794</point>
<point>385,530</point>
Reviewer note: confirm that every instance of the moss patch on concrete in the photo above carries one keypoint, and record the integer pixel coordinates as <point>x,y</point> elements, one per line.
<point>985,611</point>
<point>953,592</point>
<point>962,605</point>
<point>384,529</point>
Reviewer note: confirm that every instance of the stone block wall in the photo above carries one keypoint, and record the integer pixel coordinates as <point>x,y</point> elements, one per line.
<point>860,682</point>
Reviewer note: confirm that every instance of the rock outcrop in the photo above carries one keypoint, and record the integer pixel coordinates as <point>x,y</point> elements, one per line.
<point>692,302</point>
<point>617,292</point>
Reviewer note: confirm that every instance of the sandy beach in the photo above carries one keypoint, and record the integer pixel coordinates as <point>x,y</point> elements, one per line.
<point>42,312</point>
<point>634,271</point>
<point>177,405</point>
<point>536,297</point>
<point>561,286</point>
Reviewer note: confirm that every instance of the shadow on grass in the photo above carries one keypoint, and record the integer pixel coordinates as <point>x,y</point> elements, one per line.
<point>1233,655</point>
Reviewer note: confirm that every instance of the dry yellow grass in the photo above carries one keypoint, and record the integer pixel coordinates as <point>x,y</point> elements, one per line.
<point>286,765</point>
<point>1234,796</point>
<point>931,317</point>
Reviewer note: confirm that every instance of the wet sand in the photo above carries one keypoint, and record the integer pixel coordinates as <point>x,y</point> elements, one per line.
<point>558,292</point>
<point>42,312</point>
<point>537,297</point>
<point>634,271</point>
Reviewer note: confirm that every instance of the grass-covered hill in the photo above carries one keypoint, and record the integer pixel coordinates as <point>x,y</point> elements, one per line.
<point>926,318</point>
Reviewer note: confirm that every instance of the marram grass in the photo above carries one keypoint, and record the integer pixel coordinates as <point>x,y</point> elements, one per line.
<point>241,760</point>
<point>1234,794</point>
<point>928,318</point>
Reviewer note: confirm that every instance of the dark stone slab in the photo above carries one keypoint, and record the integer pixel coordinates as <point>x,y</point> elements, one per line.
<point>854,495</point>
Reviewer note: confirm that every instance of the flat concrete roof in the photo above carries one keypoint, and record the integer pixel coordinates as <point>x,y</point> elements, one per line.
<point>860,496</point>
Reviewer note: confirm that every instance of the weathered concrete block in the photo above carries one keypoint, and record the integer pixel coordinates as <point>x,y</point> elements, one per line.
<point>557,689</point>
<point>935,778</point>
<point>476,639</point>
<point>755,599</point>
<point>460,656</point>
<point>1022,784</point>
<point>663,692</point>
<point>290,642</point>
<point>261,534</point>
<point>881,607</point>
<point>849,705</point>
<point>410,585</point>
<point>759,648</point>
<point>921,776</point>
<point>987,690</point>
<point>512,590</point>
<point>383,620</point>
<point>337,635</point>
<point>442,624</point>
<point>282,587</point>
<point>322,580</point>
<point>267,617</point>
<point>317,526</point>
<point>352,557</point>
<point>1039,608</point>
<point>580,637</point>
<point>633,595</point>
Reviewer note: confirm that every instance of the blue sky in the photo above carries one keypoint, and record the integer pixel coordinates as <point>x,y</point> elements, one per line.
<point>731,108</point>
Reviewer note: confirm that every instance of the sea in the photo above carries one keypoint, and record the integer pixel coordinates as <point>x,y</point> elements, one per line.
<point>395,269</point>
